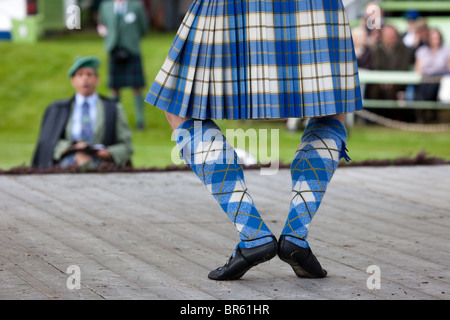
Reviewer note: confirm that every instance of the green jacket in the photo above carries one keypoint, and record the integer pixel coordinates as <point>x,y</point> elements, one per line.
<point>125,30</point>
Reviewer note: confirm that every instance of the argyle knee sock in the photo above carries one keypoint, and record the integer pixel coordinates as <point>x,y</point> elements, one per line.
<point>316,159</point>
<point>214,161</point>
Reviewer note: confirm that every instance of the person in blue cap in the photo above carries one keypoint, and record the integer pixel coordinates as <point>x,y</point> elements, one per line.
<point>86,129</point>
<point>410,37</point>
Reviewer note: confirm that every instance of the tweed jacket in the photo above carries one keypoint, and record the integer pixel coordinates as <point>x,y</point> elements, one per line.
<point>110,129</point>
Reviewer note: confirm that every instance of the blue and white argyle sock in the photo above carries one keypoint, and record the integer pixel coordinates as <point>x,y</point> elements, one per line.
<point>214,161</point>
<point>321,148</point>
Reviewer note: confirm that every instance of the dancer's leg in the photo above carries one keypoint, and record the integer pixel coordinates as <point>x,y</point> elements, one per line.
<point>214,161</point>
<point>317,158</point>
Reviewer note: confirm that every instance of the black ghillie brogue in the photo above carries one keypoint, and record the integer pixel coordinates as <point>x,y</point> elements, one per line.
<point>302,260</point>
<point>244,259</point>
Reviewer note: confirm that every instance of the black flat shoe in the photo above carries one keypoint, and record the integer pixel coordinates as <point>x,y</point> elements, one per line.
<point>243,260</point>
<point>302,260</point>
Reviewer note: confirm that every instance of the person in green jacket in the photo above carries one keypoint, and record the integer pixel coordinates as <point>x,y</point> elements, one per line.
<point>123,24</point>
<point>86,130</point>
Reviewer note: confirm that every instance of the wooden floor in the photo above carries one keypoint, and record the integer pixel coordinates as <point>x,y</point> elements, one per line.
<point>157,235</point>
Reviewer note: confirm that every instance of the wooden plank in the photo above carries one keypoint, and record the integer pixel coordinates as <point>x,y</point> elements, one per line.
<point>348,217</point>
<point>157,235</point>
<point>58,246</point>
<point>37,276</point>
<point>389,215</point>
<point>183,264</point>
<point>88,236</point>
<point>431,191</point>
<point>243,291</point>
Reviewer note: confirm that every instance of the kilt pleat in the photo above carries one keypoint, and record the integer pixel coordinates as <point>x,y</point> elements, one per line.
<point>253,59</point>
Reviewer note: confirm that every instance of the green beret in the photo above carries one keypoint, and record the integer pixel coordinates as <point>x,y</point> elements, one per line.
<point>84,62</point>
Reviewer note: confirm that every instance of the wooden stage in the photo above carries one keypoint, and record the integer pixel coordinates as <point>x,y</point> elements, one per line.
<point>157,235</point>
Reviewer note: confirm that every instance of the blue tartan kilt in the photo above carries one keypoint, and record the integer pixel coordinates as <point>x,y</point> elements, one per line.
<point>126,74</point>
<point>253,59</point>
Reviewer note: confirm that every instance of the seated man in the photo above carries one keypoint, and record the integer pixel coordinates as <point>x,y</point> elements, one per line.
<point>85,130</point>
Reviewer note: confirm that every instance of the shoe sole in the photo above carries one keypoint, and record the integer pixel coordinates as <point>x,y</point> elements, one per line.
<point>299,271</point>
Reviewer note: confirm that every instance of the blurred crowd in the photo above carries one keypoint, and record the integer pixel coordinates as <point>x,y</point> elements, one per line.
<point>380,46</point>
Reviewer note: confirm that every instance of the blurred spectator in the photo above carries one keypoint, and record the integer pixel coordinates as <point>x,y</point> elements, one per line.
<point>362,50</point>
<point>416,36</point>
<point>432,62</point>
<point>421,35</point>
<point>123,24</point>
<point>409,37</point>
<point>390,54</point>
<point>94,10</point>
<point>167,15</point>
<point>171,14</point>
<point>85,130</point>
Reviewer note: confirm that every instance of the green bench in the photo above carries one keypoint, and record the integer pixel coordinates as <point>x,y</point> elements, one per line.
<point>424,6</point>
<point>396,77</point>
<point>384,77</point>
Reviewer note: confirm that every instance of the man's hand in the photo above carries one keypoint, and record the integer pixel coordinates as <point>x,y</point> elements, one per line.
<point>80,145</point>
<point>104,155</point>
<point>102,30</point>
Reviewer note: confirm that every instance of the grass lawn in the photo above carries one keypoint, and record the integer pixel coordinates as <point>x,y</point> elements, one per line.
<point>34,75</point>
